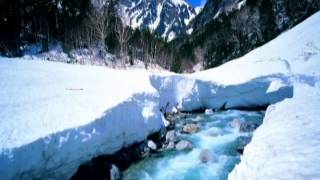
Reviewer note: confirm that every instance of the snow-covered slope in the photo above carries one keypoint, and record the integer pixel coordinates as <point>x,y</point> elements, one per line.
<point>55,116</point>
<point>169,18</point>
<point>286,145</point>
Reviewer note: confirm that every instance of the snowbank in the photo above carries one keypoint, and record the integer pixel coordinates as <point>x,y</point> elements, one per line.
<point>58,156</point>
<point>55,116</point>
<point>286,145</point>
<point>190,94</point>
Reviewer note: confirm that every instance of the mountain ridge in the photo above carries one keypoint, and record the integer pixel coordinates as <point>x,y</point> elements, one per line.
<point>168,18</point>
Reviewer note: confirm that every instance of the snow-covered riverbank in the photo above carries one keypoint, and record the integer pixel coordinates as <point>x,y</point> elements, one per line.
<point>56,116</point>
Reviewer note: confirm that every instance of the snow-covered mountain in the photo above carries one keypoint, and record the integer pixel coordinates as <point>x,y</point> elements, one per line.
<point>169,18</point>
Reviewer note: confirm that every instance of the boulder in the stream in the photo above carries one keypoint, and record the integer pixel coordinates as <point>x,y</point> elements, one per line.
<point>248,126</point>
<point>171,136</point>
<point>115,173</point>
<point>152,145</point>
<point>236,123</point>
<point>208,112</point>
<point>206,156</point>
<point>170,146</point>
<point>190,128</point>
<point>184,145</point>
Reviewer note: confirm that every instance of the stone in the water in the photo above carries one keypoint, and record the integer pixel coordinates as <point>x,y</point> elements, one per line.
<point>236,123</point>
<point>115,173</point>
<point>184,145</point>
<point>152,145</point>
<point>208,112</point>
<point>171,136</point>
<point>248,126</point>
<point>206,156</point>
<point>170,146</point>
<point>190,128</point>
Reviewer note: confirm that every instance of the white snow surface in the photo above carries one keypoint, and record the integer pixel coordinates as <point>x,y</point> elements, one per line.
<point>56,116</point>
<point>286,145</point>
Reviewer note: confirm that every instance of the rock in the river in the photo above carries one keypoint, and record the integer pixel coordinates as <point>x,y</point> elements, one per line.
<point>190,128</point>
<point>248,126</point>
<point>206,156</point>
<point>115,173</point>
<point>184,145</point>
<point>171,136</point>
<point>208,112</point>
<point>170,146</point>
<point>152,145</point>
<point>236,123</point>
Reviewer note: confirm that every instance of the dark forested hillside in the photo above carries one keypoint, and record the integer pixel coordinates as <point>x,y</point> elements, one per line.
<point>37,21</point>
<point>77,24</point>
<point>225,30</point>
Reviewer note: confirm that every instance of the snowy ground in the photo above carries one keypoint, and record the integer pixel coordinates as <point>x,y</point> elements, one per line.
<point>286,146</point>
<point>55,116</point>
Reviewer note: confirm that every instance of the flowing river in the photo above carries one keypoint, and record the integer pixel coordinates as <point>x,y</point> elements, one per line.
<point>219,142</point>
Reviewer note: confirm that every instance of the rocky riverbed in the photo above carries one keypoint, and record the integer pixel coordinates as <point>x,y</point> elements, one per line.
<point>200,146</point>
<point>193,146</point>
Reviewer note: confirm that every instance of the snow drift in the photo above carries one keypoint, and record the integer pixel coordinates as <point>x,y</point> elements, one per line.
<point>58,155</point>
<point>56,116</point>
<point>189,94</point>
